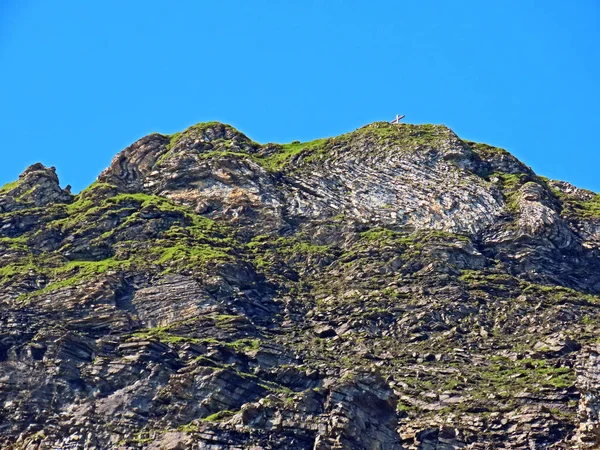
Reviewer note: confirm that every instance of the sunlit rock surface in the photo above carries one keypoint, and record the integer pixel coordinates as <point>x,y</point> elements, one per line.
<point>395,287</point>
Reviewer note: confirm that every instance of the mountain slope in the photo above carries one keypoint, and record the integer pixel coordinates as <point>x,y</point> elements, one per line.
<point>393,287</point>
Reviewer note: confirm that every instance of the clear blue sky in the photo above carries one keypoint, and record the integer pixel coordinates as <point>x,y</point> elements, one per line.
<point>81,80</point>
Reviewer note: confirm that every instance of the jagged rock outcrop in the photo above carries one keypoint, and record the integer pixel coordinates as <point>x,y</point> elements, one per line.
<point>395,287</point>
<point>377,175</point>
<point>37,186</point>
<point>588,380</point>
<point>539,219</point>
<point>361,413</point>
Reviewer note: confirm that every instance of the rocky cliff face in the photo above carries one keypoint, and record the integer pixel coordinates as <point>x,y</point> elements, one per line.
<point>392,288</point>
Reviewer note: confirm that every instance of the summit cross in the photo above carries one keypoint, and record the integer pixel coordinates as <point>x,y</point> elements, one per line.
<point>398,118</point>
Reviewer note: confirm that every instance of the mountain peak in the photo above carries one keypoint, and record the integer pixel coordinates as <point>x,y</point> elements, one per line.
<point>210,132</point>
<point>131,166</point>
<point>350,292</point>
<point>381,173</point>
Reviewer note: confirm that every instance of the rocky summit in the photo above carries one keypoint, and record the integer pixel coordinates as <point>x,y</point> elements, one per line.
<point>395,287</point>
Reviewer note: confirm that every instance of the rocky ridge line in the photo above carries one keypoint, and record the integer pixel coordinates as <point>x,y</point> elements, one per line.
<point>394,287</point>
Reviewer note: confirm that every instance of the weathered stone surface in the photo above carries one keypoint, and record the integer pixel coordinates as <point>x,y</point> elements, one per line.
<point>588,380</point>
<point>36,186</point>
<point>394,287</point>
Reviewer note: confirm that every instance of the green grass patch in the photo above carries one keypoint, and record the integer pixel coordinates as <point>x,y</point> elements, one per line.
<point>9,187</point>
<point>526,374</point>
<point>510,184</point>
<point>280,159</point>
<point>585,209</point>
<point>166,335</point>
<point>486,151</point>
<point>183,255</point>
<point>404,135</point>
<point>75,272</point>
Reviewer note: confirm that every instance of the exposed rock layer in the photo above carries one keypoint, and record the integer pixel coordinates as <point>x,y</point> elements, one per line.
<point>394,287</point>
